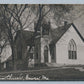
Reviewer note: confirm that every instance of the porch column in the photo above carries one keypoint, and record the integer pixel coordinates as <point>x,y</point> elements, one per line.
<point>42,53</point>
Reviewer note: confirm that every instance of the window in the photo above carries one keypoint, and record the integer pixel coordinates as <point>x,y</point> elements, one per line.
<point>32,50</point>
<point>45,29</point>
<point>72,50</point>
<point>4,65</point>
<point>45,32</point>
<point>31,55</point>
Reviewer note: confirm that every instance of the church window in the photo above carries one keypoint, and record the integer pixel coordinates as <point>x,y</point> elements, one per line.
<point>4,65</point>
<point>45,29</point>
<point>72,50</point>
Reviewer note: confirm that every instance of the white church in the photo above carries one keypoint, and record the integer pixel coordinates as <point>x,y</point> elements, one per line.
<point>64,46</point>
<point>61,46</point>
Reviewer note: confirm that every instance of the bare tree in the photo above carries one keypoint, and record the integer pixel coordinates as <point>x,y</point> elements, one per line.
<point>3,37</point>
<point>12,18</point>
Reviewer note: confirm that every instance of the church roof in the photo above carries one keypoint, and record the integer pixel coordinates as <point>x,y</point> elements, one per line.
<point>56,34</point>
<point>59,32</point>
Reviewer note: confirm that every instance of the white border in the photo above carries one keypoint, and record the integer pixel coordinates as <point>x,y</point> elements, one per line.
<point>41,1</point>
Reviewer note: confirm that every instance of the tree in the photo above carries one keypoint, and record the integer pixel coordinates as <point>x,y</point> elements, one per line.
<point>3,37</point>
<point>12,16</point>
<point>13,19</point>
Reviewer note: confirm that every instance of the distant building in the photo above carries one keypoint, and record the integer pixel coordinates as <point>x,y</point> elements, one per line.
<point>5,56</point>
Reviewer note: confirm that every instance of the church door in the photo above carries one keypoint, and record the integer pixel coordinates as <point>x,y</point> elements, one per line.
<point>45,54</point>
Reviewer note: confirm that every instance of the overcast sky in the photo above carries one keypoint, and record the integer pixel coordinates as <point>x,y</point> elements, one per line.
<point>79,18</point>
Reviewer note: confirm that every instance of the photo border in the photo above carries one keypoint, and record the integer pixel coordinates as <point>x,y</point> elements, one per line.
<point>41,2</point>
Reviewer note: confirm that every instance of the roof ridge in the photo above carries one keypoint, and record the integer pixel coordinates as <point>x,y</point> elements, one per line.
<point>58,32</point>
<point>78,32</point>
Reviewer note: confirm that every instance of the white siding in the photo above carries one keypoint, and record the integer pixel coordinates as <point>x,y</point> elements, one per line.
<point>62,48</point>
<point>45,42</point>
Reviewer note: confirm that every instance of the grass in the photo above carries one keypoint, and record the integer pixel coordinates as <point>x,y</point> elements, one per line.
<point>61,74</point>
<point>53,74</point>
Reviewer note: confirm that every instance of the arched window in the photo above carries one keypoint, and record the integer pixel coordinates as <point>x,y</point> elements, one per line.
<point>72,50</point>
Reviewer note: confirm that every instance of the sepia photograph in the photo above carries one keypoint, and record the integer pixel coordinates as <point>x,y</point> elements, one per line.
<point>42,42</point>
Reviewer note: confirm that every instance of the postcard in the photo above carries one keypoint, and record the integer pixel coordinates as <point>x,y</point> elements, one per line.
<point>41,42</point>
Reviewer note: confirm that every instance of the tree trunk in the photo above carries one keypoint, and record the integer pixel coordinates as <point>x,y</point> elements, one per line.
<point>14,57</point>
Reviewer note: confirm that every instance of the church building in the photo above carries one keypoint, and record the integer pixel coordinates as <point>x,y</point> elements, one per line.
<point>63,45</point>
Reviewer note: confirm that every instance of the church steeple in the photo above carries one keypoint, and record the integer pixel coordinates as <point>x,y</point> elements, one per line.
<point>44,29</point>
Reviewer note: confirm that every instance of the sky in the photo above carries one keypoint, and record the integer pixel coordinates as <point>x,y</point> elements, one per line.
<point>79,20</point>
<point>79,23</point>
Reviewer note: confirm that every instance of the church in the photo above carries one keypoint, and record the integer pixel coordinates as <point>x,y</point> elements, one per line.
<point>60,46</point>
<point>63,45</point>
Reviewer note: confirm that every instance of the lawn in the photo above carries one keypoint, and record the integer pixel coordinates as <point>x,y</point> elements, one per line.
<point>57,74</point>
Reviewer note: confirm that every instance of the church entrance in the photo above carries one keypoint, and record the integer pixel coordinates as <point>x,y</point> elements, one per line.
<point>45,54</point>
<point>53,53</point>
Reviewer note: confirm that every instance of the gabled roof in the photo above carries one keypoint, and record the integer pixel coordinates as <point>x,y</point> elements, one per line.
<point>59,32</point>
<point>78,32</point>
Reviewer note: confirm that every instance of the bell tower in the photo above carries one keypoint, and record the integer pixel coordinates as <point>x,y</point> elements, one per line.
<point>44,40</point>
<point>45,28</point>
<point>42,43</point>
